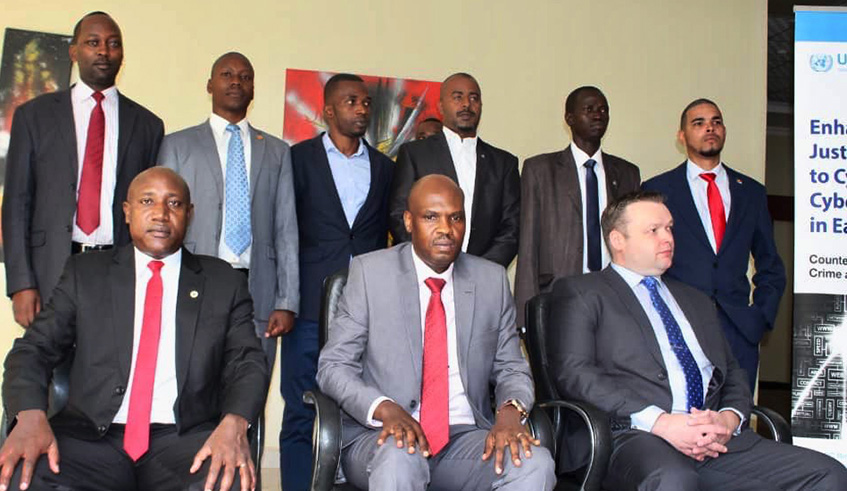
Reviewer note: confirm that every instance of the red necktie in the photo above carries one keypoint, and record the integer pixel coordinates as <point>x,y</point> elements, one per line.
<point>435,390</point>
<point>88,204</point>
<point>716,209</point>
<point>137,433</point>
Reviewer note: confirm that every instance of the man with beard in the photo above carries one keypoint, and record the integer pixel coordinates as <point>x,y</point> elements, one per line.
<point>563,195</point>
<point>72,155</point>
<point>341,187</point>
<point>721,217</point>
<point>487,175</point>
<point>240,178</point>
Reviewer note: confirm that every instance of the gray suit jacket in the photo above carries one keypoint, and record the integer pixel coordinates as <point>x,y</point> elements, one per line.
<point>550,245</point>
<point>274,274</point>
<point>606,352</point>
<point>375,342</point>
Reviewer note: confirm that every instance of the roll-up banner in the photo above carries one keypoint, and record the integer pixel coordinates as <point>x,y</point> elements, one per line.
<point>819,395</point>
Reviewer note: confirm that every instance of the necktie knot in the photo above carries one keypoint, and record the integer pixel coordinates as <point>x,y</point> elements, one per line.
<point>708,176</point>
<point>435,285</point>
<point>590,163</point>
<point>155,266</point>
<point>98,96</point>
<point>233,128</point>
<point>650,283</point>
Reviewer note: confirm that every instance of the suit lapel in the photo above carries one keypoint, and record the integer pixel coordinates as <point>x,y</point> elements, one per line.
<point>463,299</point>
<point>122,292</point>
<point>572,185</point>
<point>64,112</point>
<point>325,171</point>
<point>683,202</point>
<point>127,115</point>
<point>441,157</point>
<point>407,283</point>
<point>625,294</point>
<point>188,301</point>
<point>737,206</point>
<point>612,177</point>
<point>483,178</point>
<point>257,158</point>
<point>209,147</point>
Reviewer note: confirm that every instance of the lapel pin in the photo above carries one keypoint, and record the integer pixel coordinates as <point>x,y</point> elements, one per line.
<point>193,294</point>
<point>614,183</point>
<point>260,137</point>
<point>738,181</point>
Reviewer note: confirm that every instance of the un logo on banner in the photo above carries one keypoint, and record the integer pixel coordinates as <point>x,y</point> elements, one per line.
<point>820,62</point>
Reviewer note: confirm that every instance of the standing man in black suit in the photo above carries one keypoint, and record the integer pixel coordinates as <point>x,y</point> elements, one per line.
<point>487,175</point>
<point>341,189</point>
<point>649,351</point>
<point>722,219</point>
<point>563,195</point>
<point>166,373</point>
<point>72,155</point>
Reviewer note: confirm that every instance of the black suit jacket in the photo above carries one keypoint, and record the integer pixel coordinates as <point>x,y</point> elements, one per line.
<point>493,225</point>
<point>220,366</point>
<point>327,242</point>
<point>39,199</point>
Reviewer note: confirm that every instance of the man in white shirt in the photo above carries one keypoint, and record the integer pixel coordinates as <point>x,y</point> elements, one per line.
<point>422,333</point>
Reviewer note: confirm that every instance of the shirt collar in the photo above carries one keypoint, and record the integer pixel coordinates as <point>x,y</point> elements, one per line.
<point>423,271</point>
<point>693,171</point>
<point>580,157</point>
<point>172,262</point>
<point>219,125</point>
<point>453,138</point>
<point>81,92</point>
<point>329,146</point>
<point>632,278</point>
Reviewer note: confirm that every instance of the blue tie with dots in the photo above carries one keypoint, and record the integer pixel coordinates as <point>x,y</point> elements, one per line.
<point>237,227</point>
<point>693,379</point>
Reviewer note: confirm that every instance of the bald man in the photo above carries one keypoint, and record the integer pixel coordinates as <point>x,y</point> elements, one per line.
<point>407,423</point>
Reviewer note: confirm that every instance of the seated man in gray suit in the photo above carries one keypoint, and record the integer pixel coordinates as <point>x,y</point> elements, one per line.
<point>423,332</point>
<point>650,352</point>
<point>240,178</point>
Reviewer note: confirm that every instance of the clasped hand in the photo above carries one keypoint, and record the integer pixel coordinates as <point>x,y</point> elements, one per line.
<point>699,434</point>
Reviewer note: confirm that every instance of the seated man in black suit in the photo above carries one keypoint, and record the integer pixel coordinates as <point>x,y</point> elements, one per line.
<point>650,352</point>
<point>161,395</point>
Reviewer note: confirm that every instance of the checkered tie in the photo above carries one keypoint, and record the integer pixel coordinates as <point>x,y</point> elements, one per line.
<point>693,379</point>
<point>237,226</point>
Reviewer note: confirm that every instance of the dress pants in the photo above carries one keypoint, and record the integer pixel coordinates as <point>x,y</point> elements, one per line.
<point>298,366</point>
<point>458,467</point>
<point>643,461</point>
<point>102,465</point>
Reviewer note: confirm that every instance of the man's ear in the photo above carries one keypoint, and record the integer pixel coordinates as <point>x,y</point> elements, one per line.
<point>407,221</point>
<point>126,212</point>
<point>616,240</point>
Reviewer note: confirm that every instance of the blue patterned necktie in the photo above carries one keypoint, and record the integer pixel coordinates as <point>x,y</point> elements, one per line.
<point>237,227</point>
<point>693,379</point>
<point>592,217</point>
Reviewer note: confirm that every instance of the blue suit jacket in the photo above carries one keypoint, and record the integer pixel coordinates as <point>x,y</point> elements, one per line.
<point>723,276</point>
<point>327,242</point>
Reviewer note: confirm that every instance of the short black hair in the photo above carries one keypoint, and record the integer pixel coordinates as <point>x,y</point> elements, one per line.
<point>332,84</point>
<point>694,103</point>
<point>570,102</point>
<point>431,120</point>
<point>225,55</point>
<point>78,25</point>
<point>613,215</point>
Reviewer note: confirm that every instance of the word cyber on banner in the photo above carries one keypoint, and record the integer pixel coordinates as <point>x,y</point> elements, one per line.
<point>819,395</point>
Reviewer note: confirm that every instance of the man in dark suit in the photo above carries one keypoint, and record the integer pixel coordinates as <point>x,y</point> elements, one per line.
<point>721,218</point>
<point>72,155</point>
<point>487,175</point>
<point>166,373</point>
<point>648,350</point>
<point>423,341</point>
<point>341,187</point>
<point>562,196</point>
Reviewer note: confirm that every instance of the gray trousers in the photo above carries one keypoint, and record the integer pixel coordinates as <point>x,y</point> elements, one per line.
<point>643,461</point>
<point>458,467</point>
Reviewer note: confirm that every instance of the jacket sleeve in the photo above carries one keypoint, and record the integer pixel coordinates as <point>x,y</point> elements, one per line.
<point>526,275</point>
<point>769,279</point>
<point>286,239</point>
<point>511,375</point>
<point>401,184</point>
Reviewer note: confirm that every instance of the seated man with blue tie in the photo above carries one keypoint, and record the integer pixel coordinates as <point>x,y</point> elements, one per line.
<point>650,352</point>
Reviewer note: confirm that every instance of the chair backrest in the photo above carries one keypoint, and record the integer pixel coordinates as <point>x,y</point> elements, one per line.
<point>333,287</point>
<point>537,326</point>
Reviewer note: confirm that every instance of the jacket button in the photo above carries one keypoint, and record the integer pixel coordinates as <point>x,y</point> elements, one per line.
<point>715,265</point>
<point>119,390</point>
<point>413,404</point>
<point>662,375</point>
<point>69,228</point>
<point>102,429</point>
<point>352,236</point>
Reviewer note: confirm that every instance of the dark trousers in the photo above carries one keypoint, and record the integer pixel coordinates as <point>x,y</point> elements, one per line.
<point>298,366</point>
<point>745,352</point>
<point>102,465</point>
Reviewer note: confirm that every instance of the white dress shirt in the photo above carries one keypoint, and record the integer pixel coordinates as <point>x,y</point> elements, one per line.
<point>580,158</point>
<point>222,137</point>
<point>646,418</point>
<point>164,383</point>
<point>83,104</point>
<point>699,187</point>
<point>463,153</point>
<point>460,412</point>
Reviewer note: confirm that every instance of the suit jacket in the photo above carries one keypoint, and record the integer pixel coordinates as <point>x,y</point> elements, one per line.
<point>551,219</point>
<point>327,242</point>
<point>606,351</point>
<point>193,153</point>
<point>493,224</point>
<point>220,366</point>
<point>375,342</point>
<point>723,276</point>
<point>39,200</point>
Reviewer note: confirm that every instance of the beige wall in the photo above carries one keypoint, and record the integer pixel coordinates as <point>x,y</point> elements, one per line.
<point>650,58</point>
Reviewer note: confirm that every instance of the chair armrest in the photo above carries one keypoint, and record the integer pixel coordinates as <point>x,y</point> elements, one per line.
<point>326,440</point>
<point>601,439</point>
<point>779,428</point>
<point>542,429</point>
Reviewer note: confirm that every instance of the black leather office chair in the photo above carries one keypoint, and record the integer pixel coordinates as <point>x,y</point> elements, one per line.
<point>595,427</point>
<point>326,436</point>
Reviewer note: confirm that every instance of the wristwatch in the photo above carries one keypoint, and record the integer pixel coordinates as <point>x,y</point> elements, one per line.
<point>517,405</point>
